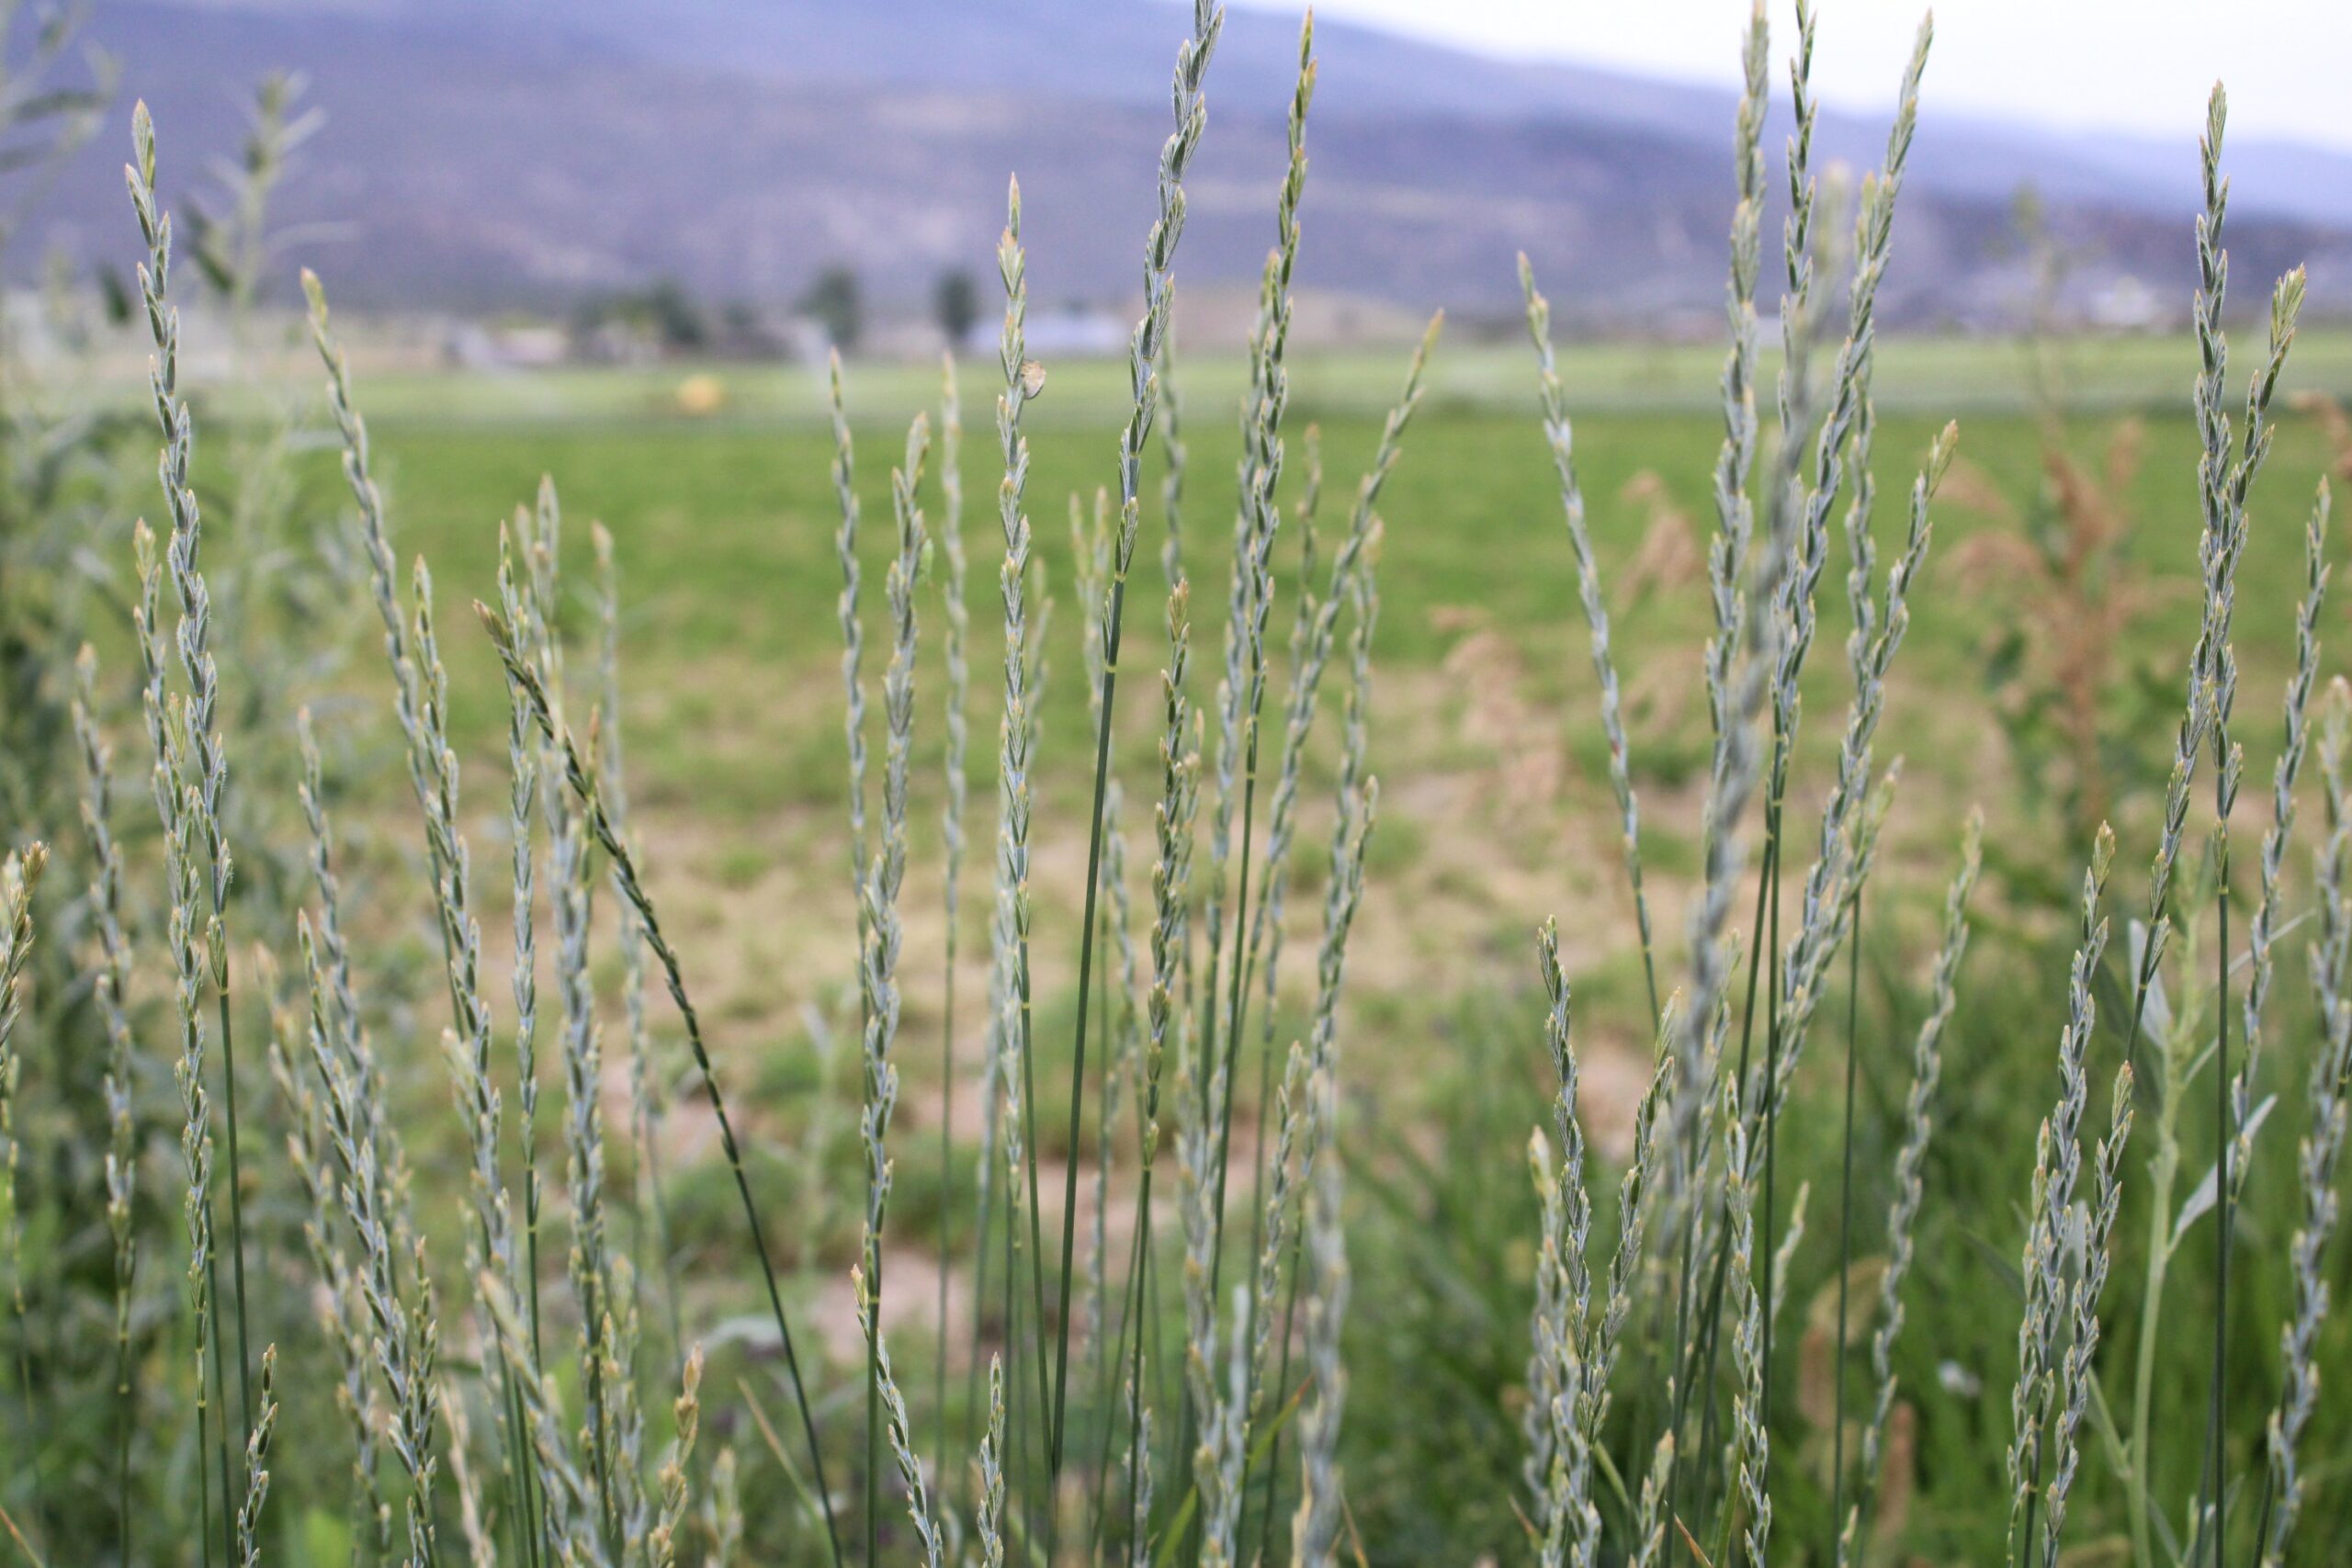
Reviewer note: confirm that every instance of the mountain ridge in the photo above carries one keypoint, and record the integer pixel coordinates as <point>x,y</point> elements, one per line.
<point>478,153</point>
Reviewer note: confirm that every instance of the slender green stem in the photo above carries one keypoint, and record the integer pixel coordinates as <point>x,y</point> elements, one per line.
<point>1235,1007</point>
<point>236,1182</point>
<point>2152,1293</point>
<point>1104,1361</point>
<point>946,1187</point>
<point>1085,978</point>
<point>2216,1435</point>
<point>1282,1381</point>
<point>1130,1303</point>
<point>1147,1303</point>
<point>874,1471</point>
<point>203,1493</point>
<point>1699,1341</point>
<point>1029,1152</point>
<point>1845,1226</point>
<point>1768,1243</point>
<point>220,1418</point>
<point>1711,1324</point>
<point>981,1253</point>
<point>122,1440</point>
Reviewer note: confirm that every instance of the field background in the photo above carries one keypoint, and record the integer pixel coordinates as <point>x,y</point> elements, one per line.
<point>1496,805</point>
<point>1496,814</point>
<point>675,210</point>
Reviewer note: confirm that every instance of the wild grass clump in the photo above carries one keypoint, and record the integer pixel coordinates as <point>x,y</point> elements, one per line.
<point>1598,1366</point>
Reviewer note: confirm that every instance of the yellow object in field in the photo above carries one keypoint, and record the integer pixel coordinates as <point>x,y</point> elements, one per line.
<point>701,394</point>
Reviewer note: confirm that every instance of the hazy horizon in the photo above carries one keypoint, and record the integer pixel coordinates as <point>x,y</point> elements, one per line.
<point>2064,64</point>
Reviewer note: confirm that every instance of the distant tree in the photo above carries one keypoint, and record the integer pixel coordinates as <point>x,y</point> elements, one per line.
<point>739,323</point>
<point>662,311</point>
<point>674,315</point>
<point>835,302</point>
<point>955,303</point>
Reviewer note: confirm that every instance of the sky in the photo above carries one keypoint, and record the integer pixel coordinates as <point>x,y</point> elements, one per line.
<point>2140,66</point>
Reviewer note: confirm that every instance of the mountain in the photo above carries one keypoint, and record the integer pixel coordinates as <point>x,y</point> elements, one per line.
<point>486,152</point>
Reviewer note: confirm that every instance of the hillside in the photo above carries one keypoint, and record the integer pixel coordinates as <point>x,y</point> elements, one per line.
<point>482,153</point>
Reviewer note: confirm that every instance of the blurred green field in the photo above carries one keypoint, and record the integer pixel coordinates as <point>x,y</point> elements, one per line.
<point>1496,814</point>
<point>1480,367</point>
<point>723,527</point>
<point>1493,769</point>
<point>1484,732</point>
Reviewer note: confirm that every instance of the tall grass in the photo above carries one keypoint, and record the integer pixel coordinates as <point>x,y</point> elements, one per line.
<point>1653,1414</point>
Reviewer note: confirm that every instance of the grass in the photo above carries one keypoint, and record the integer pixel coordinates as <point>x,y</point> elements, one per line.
<point>1692,1130</point>
<point>727,709</point>
<point>1485,367</point>
<point>757,507</point>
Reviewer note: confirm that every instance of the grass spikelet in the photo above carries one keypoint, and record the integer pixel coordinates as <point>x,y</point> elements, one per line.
<point>2057,1167</point>
<point>402,1332</point>
<point>992,1472</point>
<point>1841,863</point>
<point>111,985</point>
<point>853,637</point>
<point>1143,375</point>
<point>20,878</point>
<point>934,1546</point>
<point>341,1313</point>
<point>1214,1419</point>
<point>2221,475</point>
<point>2322,1147</point>
<point>2089,1283</point>
<point>1559,1469</point>
<point>1850,409</point>
<point>1751,1441</point>
<point>507,637</point>
<point>1873,226</point>
<point>1903,1210</point>
<point>201,767</point>
<point>1315,1528</point>
<point>1786,497</point>
<point>1171,441</point>
<point>1166,1019</point>
<point>176,805</point>
<point>470,1517</point>
<point>1736,684</point>
<point>420,701</point>
<point>662,1547</point>
<point>1803,504</point>
<point>723,1514</point>
<point>951,812</point>
<point>522,753</point>
<point>1732,699</point>
<point>257,1463</point>
<point>2262,930</point>
<point>1649,1519</point>
<point>1011,1065</point>
<point>2224,478</point>
<point>1561,437</point>
<point>648,1080</point>
<point>1313,639</point>
<point>1271,1221</point>
<point>1352,586</point>
<point>1090,546</point>
<point>1256,522</point>
<point>884,934</point>
<point>1139,1468</point>
<point>532,603</point>
<point>570,1492</point>
<point>1356,798</point>
<point>383,575</point>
